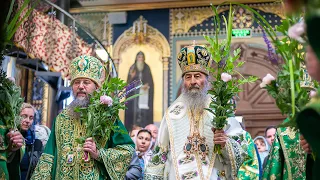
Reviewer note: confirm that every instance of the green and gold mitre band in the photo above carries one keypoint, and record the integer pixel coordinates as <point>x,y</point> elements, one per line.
<point>86,67</point>
<point>194,58</point>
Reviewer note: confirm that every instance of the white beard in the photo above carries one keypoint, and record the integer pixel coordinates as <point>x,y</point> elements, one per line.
<point>196,98</point>
<point>140,65</point>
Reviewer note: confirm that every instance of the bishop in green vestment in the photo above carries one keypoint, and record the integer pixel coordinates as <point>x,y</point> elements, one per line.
<point>287,159</point>
<point>63,156</point>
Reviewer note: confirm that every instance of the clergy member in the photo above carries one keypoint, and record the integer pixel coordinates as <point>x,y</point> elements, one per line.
<point>187,137</point>
<point>63,156</point>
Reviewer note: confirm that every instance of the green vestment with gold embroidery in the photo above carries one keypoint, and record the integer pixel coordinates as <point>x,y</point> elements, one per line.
<point>62,158</point>
<point>287,159</point>
<point>3,152</point>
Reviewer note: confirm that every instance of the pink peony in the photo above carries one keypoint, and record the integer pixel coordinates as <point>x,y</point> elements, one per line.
<point>107,100</point>
<point>313,93</point>
<point>267,80</point>
<point>226,77</point>
<point>296,31</point>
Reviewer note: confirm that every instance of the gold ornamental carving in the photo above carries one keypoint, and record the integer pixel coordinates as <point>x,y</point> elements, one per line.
<point>141,33</point>
<point>183,19</point>
<point>274,8</point>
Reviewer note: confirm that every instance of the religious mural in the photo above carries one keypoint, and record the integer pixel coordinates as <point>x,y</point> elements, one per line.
<point>142,52</point>
<point>140,110</point>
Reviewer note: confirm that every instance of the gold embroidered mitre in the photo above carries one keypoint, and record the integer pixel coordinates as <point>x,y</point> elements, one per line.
<point>194,58</point>
<point>86,67</point>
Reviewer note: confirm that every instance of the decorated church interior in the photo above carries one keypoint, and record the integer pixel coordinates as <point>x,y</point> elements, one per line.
<point>141,42</point>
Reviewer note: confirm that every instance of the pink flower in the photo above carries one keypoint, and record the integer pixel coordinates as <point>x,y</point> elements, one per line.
<point>267,80</point>
<point>12,79</point>
<point>226,77</point>
<point>107,100</point>
<point>296,31</point>
<point>312,93</point>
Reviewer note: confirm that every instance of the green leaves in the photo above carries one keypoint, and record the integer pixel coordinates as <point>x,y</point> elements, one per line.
<point>222,92</point>
<point>286,89</point>
<point>99,118</point>
<point>10,102</point>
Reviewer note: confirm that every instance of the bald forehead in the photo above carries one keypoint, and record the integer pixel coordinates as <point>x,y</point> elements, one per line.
<point>151,126</point>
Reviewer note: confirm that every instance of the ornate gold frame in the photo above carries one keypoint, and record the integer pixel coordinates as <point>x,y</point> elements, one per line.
<point>156,5</point>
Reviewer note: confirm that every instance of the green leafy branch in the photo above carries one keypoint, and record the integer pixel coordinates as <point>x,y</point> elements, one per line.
<point>290,96</point>
<point>225,62</point>
<point>99,118</point>
<point>10,102</point>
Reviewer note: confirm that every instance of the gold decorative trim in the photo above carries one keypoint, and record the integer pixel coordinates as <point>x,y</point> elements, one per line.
<point>285,153</point>
<point>232,159</point>
<point>30,84</point>
<point>45,101</point>
<point>156,5</point>
<point>212,162</point>
<point>3,158</point>
<point>182,19</point>
<point>173,154</point>
<point>156,40</point>
<point>274,8</point>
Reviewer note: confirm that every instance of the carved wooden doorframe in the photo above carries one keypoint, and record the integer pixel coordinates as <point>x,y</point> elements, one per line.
<point>258,109</point>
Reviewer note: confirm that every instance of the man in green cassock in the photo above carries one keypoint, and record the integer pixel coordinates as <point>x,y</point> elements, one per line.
<point>63,156</point>
<point>286,158</point>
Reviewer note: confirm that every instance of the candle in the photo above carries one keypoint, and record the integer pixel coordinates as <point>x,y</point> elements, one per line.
<point>145,28</point>
<point>138,27</point>
<point>133,28</point>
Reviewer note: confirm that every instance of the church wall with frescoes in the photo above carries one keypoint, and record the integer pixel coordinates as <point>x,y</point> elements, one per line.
<point>160,34</point>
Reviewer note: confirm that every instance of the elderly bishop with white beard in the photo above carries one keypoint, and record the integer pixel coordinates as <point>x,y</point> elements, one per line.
<point>187,137</point>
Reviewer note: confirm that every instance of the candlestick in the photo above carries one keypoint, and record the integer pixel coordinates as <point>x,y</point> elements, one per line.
<point>145,28</point>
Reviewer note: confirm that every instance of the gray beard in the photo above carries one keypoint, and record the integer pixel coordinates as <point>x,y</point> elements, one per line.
<point>196,99</point>
<point>78,103</point>
<point>140,66</point>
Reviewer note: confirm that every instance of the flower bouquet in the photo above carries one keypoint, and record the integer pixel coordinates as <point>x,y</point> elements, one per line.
<point>292,86</point>
<point>224,86</point>
<point>99,117</point>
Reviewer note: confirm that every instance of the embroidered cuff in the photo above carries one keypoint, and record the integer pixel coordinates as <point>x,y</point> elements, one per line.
<point>99,158</point>
<point>44,167</point>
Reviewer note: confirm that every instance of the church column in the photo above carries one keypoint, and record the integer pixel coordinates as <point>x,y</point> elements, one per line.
<point>165,62</point>
<point>116,63</point>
